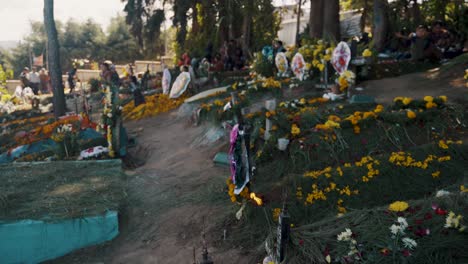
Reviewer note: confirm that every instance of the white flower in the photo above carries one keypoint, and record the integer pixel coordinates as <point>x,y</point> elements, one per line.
<point>328,259</point>
<point>452,220</point>
<point>109,115</point>
<point>345,236</point>
<point>396,229</point>
<point>442,193</point>
<point>402,222</point>
<point>409,243</point>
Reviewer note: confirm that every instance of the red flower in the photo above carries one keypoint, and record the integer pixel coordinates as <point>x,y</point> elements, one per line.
<point>428,216</point>
<point>406,253</point>
<point>418,222</point>
<point>440,211</point>
<point>301,242</point>
<point>385,252</point>
<point>422,232</point>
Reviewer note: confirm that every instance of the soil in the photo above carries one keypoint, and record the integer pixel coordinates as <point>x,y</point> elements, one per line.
<point>170,201</point>
<point>166,212</point>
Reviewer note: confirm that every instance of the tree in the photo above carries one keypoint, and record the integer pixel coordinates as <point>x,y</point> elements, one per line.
<point>121,47</point>
<point>331,21</point>
<point>53,55</point>
<point>316,19</point>
<point>380,24</point>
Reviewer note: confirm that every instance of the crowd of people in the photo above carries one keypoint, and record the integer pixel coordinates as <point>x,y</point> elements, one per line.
<point>229,57</point>
<point>433,43</point>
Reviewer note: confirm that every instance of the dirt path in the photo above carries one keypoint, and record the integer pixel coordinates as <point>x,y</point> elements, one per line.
<point>169,199</point>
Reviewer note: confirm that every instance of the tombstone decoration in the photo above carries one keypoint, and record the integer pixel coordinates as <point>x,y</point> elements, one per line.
<point>239,163</point>
<point>180,85</point>
<point>281,63</point>
<point>341,57</point>
<point>298,66</point>
<point>282,234</point>
<point>166,81</point>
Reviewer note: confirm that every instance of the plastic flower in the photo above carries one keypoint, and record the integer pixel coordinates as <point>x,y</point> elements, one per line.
<point>411,115</point>
<point>367,53</point>
<point>398,206</point>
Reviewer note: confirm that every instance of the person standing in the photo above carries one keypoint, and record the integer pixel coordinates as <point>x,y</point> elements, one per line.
<point>34,81</point>
<point>24,77</point>
<point>72,78</point>
<point>45,81</point>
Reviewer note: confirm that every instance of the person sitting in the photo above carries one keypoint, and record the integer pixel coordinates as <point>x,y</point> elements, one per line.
<point>422,47</point>
<point>185,60</point>
<point>444,41</point>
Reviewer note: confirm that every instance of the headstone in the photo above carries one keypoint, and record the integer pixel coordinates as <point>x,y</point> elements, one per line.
<point>362,99</point>
<point>270,105</point>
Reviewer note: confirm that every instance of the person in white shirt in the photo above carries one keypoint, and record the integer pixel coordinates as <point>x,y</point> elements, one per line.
<point>34,80</point>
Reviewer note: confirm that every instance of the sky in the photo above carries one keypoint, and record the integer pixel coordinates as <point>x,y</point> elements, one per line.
<point>17,14</point>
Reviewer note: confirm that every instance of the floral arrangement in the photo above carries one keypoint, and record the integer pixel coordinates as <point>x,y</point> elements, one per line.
<point>155,105</point>
<point>346,79</point>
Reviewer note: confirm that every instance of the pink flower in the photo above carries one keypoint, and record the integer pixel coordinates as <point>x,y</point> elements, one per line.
<point>406,253</point>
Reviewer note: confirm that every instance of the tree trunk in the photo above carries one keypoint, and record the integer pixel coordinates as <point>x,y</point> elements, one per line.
<point>195,24</point>
<point>247,27</point>
<point>298,22</point>
<point>364,15</point>
<point>331,21</point>
<point>417,20</point>
<point>53,57</point>
<point>316,19</point>
<point>380,23</point>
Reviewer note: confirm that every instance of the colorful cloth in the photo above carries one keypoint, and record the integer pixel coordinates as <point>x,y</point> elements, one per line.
<point>341,57</point>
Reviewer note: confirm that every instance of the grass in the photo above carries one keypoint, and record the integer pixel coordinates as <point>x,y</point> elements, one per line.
<point>60,190</point>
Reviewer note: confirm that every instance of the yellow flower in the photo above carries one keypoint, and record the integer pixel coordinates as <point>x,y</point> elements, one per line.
<point>295,130</point>
<point>436,174</point>
<point>398,99</point>
<point>321,67</point>
<point>398,206</point>
<point>327,57</point>
<point>443,145</point>
<point>332,124</point>
<point>430,105</point>
<point>463,189</point>
<point>411,115</point>
<point>357,129</point>
<point>443,98</point>
<point>428,98</point>
<point>407,101</point>
<point>378,109</point>
<point>367,53</point>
